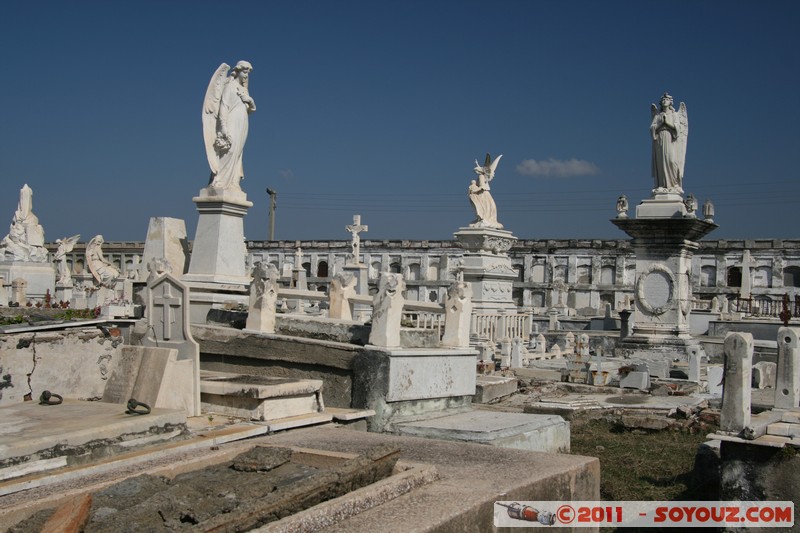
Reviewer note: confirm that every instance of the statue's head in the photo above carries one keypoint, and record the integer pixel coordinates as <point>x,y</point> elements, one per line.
<point>242,71</point>
<point>242,66</point>
<point>666,101</point>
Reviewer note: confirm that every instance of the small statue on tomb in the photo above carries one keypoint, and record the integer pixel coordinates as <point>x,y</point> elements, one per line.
<point>225,123</point>
<point>622,206</point>
<point>690,202</point>
<point>65,246</point>
<point>481,198</point>
<point>355,244</point>
<point>669,130</point>
<point>25,239</point>
<point>103,271</point>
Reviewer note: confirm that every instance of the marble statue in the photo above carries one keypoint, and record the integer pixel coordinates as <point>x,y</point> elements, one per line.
<point>481,198</point>
<point>669,130</point>
<point>157,267</point>
<point>690,202</point>
<point>263,297</point>
<point>103,271</point>
<point>225,122</point>
<point>354,229</point>
<point>25,239</point>
<point>622,207</point>
<point>65,246</point>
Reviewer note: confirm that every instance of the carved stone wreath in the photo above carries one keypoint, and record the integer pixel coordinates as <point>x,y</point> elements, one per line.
<point>497,245</point>
<point>665,274</point>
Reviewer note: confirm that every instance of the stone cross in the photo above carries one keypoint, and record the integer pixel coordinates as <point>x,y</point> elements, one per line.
<point>298,259</point>
<point>354,229</point>
<point>167,302</point>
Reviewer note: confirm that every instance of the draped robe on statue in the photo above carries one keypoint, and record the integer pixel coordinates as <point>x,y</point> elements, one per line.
<point>667,171</point>
<point>233,113</point>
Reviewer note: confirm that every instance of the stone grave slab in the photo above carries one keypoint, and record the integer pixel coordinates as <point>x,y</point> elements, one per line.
<point>541,433</point>
<point>42,437</point>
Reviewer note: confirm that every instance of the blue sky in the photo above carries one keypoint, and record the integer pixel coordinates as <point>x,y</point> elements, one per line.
<point>380,108</point>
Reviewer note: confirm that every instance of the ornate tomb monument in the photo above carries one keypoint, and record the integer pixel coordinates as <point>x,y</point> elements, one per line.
<point>486,265</point>
<point>22,251</point>
<point>217,271</point>
<point>665,235</point>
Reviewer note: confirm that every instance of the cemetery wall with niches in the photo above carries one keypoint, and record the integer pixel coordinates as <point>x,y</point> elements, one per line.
<point>595,271</point>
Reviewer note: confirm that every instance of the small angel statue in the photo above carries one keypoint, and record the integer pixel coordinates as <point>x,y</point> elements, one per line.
<point>481,198</point>
<point>65,246</point>
<point>669,130</point>
<point>622,206</point>
<point>225,123</point>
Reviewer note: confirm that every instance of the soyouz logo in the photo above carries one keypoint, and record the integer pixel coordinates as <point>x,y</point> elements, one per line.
<point>643,514</point>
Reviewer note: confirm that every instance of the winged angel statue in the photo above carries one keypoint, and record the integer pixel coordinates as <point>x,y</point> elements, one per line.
<point>481,198</point>
<point>225,123</point>
<point>65,246</point>
<point>669,130</point>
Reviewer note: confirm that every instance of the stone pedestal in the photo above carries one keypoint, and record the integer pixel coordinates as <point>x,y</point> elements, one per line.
<point>217,272</point>
<point>487,267</point>
<point>663,294</point>
<point>403,384</point>
<point>41,277</point>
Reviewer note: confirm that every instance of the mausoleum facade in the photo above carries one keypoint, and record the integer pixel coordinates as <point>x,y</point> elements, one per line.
<point>593,271</point>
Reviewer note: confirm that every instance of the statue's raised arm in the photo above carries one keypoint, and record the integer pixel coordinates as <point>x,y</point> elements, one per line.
<point>669,130</point>
<point>225,124</point>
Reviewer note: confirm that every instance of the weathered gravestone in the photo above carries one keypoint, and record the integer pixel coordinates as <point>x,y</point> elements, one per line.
<point>263,297</point>
<point>168,327</point>
<point>387,310</point>
<point>458,314</point>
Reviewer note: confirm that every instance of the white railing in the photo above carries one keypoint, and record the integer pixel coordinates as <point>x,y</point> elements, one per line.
<point>501,325</point>
<point>424,320</point>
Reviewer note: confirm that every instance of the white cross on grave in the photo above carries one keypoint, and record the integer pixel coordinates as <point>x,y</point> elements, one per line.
<point>167,303</point>
<point>354,229</point>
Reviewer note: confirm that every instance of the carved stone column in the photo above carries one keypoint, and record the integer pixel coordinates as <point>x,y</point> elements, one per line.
<point>487,267</point>
<point>662,291</point>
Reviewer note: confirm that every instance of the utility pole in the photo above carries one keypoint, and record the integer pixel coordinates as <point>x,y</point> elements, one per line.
<point>273,195</point>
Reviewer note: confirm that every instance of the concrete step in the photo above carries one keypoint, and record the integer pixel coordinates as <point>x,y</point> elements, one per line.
<point>260,398</point>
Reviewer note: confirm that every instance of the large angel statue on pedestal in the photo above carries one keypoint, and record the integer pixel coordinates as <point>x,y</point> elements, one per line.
<point>225,123</point>
<point>669,130</point>
<point>481,198</point>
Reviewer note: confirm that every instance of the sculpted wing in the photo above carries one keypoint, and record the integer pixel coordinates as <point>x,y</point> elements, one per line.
<point>653,111</point>
<point>683,134</point>
<point>210,111</point>
<point>495,162</point>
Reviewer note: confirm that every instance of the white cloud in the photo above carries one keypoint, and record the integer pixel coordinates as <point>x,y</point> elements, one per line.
<point>556,168</point>
<point>287,174</point>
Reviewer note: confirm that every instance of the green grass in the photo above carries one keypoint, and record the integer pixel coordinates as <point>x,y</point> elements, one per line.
<point>640,465</point>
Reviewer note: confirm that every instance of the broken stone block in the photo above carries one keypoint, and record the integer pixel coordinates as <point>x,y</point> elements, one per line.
<point>764,375</point>
<point>714,374</point>
<point>635,380</point>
